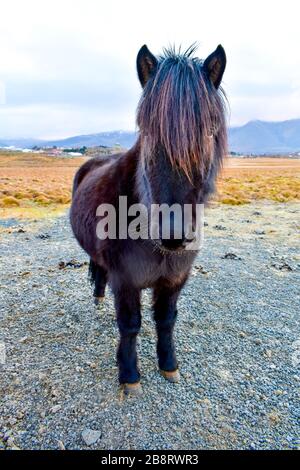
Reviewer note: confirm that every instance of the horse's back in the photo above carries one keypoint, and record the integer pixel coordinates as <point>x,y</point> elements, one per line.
<point>101,181</point>
<point>90,189</point>
<point>89,166</point>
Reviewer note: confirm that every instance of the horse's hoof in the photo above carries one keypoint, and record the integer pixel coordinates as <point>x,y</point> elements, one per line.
<point>173,376</point>
<point>98,300</point>
<point>132,389</point>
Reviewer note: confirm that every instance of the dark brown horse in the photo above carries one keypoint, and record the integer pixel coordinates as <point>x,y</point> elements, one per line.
<point>177,156</point>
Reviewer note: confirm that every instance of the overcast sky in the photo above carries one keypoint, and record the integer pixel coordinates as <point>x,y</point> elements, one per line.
<point>68,67</point>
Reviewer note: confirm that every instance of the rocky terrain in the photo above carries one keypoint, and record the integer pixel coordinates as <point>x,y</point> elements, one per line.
<point>238,342</point>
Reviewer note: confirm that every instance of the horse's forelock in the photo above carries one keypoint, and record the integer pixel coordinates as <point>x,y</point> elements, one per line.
<point>179,112</point>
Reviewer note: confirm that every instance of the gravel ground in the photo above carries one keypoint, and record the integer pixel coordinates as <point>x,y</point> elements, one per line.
<point>238,342</point>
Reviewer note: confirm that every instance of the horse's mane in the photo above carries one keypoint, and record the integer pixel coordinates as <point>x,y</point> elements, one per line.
<point>182,113</point>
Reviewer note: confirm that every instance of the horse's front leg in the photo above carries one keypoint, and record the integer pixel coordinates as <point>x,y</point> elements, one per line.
<point>127,301</point>
<point>165,313</point>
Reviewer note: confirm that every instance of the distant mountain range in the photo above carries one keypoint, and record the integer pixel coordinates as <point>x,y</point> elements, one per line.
<point>255,137</point>
<point>107,139</point>
<point>266,137</point>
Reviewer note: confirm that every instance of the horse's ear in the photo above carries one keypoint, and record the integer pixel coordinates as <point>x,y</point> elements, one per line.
<point>214,66</point>
<point>146,64</point>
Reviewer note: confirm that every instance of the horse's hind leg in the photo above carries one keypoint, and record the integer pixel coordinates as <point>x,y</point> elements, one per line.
<point>98,277</point>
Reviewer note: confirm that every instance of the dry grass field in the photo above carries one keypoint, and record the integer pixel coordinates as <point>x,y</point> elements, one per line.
<point>251,179</point>
<point>35,185</point>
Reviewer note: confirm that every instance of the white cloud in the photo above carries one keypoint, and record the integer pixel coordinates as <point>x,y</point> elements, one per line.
<point>57,121</point>
<point>94,43</point>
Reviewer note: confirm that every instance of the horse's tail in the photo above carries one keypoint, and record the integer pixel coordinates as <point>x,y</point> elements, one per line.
<point>98,279</point>
<point>92,272</point>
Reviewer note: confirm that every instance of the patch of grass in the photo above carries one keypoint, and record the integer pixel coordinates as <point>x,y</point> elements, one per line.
<point>9,201</point>
<point>43,200</point>
<point>233,201</point>
<point>36,180</point>
<point>34,212</point>
<point>246,188</point>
